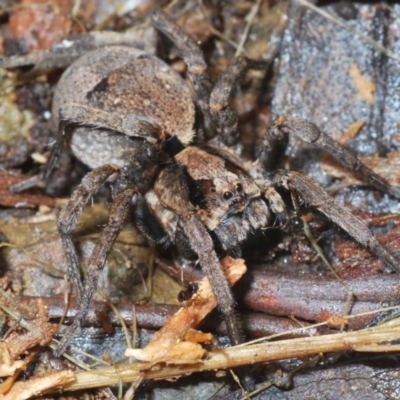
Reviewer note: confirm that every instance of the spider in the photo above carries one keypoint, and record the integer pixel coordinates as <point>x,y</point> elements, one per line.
<point>130,118</point>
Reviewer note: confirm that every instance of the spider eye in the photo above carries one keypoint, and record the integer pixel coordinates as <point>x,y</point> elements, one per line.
<point>239,187</point>
<point>227,195</point>
<point>208,186</point>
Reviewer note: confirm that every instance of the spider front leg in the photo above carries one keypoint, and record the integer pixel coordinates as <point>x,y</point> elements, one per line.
<point>118,215</point>
<point>277,138</point>
<point>203,246</point>
<point>316,197</point>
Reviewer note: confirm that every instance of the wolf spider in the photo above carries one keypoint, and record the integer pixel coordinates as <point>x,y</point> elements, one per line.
<point>143,115</point>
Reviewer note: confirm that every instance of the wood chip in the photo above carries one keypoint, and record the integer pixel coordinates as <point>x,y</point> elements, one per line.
<point>170,344</point>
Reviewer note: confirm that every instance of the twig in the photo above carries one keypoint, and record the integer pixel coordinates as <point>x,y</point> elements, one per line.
<point>249,18</point>
<point>244,355</point>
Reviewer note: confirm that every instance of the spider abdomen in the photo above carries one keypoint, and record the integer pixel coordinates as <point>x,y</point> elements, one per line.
<point>128,82</point>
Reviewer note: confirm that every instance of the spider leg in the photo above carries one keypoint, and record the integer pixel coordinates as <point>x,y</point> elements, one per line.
<point>63,135</point>
<point>224,116</point>
<point>193,56</point>
<point>118,215</point>
<point>318,198</point>
<point>66,50</point>
<point>130,124</point>
<point>277,137</point>
<point>213,102</point>
<point>275,201</point>
<point>71,212</point>
<point>203,246</point>
<point>72,115</point>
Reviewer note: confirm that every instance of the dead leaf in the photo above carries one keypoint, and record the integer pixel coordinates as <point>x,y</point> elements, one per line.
<point>351,132</point>
<point>41,332</point>
<point>366,88</point>
<point>36,386</point>
<point>40,23</point>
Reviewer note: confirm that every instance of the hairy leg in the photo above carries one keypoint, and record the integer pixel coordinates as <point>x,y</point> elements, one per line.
<point>70,214</point>
<point>224,116</point>
<point>118,215</point>
<point>318,198</point>
<point>276,140</point>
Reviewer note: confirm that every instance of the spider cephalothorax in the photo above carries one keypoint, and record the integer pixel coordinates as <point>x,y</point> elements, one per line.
<point>217,187</point>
